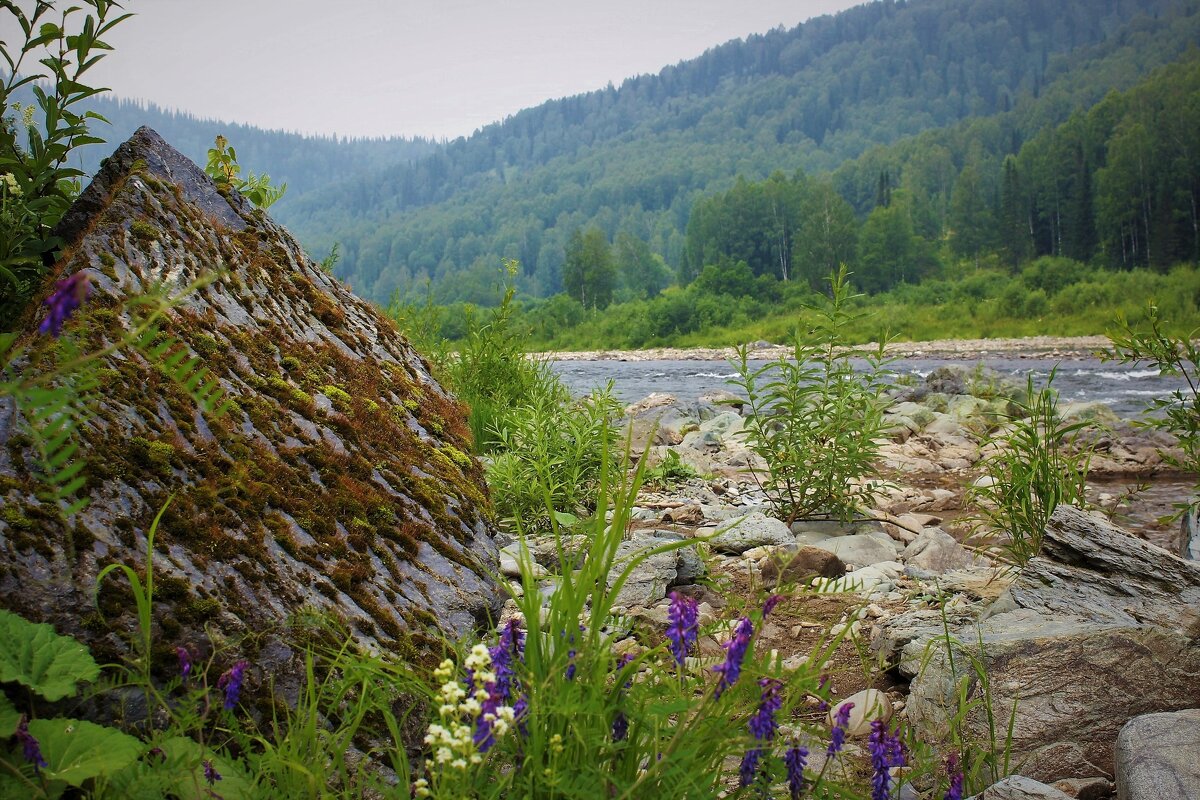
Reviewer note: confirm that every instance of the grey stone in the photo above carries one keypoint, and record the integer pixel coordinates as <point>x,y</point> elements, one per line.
<point>647,582</point>
<point>861,549</point>
<point>704,441</point>
<point>1018,787</point>
<point>937,551</point>
<point>1158,756</point>
<point>753,530</point>
<point>718,401</point>
<point>1099,628</point>
<point>377,522</point>
<point>727,426</point>
<point>1189,532</point>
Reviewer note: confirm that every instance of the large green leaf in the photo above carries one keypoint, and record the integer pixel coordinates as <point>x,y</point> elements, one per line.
<point>185,757</point>
<point>76,750</point>
<point>9,717</point>
<point>39,658</point>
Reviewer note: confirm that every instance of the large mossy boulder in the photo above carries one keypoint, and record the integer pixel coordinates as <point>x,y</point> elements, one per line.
<point>340,481</point>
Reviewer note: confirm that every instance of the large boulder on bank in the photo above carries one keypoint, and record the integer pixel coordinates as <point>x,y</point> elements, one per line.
<point>755,529</point>
<point>1099,628</point>
<point>339,482</point>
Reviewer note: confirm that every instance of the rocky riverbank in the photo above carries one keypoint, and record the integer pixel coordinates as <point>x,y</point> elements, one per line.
<point>967,349</point>
<point>912,571</point>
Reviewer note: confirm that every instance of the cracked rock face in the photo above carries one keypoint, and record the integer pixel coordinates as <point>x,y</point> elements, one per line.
<point>340,482</point>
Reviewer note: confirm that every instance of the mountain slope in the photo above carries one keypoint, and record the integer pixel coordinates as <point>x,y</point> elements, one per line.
<point>636,158</point>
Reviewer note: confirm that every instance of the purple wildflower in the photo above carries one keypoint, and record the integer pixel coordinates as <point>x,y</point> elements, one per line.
<point>763,724</point>
<point>521,714</point>
<point>210,773</point>
<point>29,745</point>
<point>796,760</point>
<point>837,737</point>
<point>620,726</point>
<point>886,752</point>
<point>68,295</point>
<point>185,662</point>
<point>954,770</point>
<point>735,653</point>
<point>749,766</point>
<point>231,682</point>
<point>682,627</point>
<point>511,642</point>
<point>822,703</point>
<point>570,665</point>
<point>769,606</point>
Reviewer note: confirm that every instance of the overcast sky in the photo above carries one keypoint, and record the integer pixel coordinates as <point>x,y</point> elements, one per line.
<point>439,68</point>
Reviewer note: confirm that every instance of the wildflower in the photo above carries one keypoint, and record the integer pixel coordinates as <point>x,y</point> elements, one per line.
<point>682,627</point>
<point>421,788</point>
<point>210,773</point>
<point>735,653</point>
<point>837,737</point>
<point>769,606</point>
<point>763,724</point>
<point>795,759</point>
<point>954,770</point>
<point>570,665</point>
<point>511,643</point>
<point>620,726</point>
<point>68,295</point>
<point>822,703</point>
<point>10,181</point>
<point>749,766</point>
<point>185,662</point>
<point>231,682</point>
<point>29,745</point>
<point>886,752</point>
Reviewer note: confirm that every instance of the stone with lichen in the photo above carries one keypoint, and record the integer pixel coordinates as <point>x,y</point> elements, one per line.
<point>364,507</point>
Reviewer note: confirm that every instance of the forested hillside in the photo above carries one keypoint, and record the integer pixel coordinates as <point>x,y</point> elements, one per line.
<point>305,163</point>
<point>632,161</point>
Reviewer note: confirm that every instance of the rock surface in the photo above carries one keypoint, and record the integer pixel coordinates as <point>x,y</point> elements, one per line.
<point>1097,629</point>
<point>339,481</point>
<point>1158,756</point>
<point>1018,787</point>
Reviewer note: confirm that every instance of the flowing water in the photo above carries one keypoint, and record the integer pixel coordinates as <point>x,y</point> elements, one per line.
<point>1126,388</point>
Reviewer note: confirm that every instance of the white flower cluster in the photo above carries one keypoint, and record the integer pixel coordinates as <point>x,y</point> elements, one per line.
<point>9,181</point>
<point>452,741</point>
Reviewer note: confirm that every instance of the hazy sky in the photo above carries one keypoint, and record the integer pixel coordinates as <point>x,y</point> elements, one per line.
<point>437,68</point>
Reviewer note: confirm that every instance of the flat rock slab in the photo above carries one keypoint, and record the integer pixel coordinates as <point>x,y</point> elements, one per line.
<point>1158,756</point>
<point>1093,570</point>
<point>860,549</point>
<point>1018,787</point>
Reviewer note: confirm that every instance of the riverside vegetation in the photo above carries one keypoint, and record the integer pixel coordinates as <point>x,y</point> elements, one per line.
<point>552,703</point>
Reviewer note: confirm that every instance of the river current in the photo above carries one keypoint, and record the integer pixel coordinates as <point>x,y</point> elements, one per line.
<point>1126,388</point>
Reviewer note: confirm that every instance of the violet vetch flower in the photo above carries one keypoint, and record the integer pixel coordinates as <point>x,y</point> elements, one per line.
<point>185,662</point>
<point>795,759</point>
<point>29,745</point>
<point>511,645</point>
<point>822,703</point>
<point>735,653</point>
<point>763,724</point>
<point>954,770</point>
<point>620,726</point>
<point>231,682</point>
<point>837,736</point>
<point>682,628</point>
<point>887,751</point>
<point>769,606</point>
<point>210,773</point>
<point>68,296</point>
<point>749,766</point>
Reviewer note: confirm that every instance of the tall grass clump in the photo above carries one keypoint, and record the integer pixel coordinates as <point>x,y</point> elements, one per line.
<point>545,451</point>
<point>1033,463</point>
<point>814,418</point>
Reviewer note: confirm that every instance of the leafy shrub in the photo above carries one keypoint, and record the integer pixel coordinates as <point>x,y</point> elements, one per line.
<point>38,183</point>
<point>1178,412</point>
<point>814,419</point>
<point>223,168</point>
<point>1031,466</point>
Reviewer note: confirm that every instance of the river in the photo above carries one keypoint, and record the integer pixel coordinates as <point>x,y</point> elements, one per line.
<point>1126,388</point>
